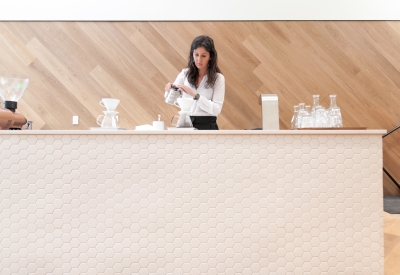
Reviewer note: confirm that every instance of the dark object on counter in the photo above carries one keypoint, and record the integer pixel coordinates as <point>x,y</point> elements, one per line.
<point>391,204</point>
<point>10,105</point>
<point>204,122</point>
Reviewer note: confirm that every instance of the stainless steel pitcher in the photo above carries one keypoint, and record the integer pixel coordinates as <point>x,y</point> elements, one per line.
<point>173,94</point>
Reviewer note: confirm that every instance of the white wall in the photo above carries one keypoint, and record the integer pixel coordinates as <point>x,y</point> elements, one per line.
<point>205,10</point>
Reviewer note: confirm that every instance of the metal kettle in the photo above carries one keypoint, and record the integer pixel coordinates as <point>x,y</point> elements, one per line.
<point>173,94</point>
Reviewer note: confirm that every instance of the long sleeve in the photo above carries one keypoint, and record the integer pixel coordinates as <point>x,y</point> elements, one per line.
<point>213,106</point>
<point>211,99</point>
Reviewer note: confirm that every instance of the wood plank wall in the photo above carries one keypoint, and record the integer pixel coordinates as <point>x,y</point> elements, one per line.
<point>72,65</point>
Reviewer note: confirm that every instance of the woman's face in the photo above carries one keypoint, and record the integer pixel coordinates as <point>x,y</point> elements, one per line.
<point>201,57</point>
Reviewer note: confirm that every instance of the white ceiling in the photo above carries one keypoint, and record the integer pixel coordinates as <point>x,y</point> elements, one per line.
<point>204,10</point>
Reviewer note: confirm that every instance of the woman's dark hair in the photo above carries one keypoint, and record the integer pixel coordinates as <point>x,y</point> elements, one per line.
<point>192,72</point>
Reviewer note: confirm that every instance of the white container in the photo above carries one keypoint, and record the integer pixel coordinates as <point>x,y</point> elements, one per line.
<point>158,124</point>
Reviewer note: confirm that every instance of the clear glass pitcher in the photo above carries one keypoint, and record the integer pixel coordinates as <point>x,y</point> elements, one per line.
<point>184,120</point>
<point>110,119</point>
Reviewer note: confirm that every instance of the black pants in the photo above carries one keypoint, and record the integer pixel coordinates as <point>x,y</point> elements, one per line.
<point>204,122</point>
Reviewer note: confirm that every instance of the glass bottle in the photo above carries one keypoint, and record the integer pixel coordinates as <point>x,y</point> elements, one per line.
<point>334,113</point>
<point>318,113</point>
<point>315,103</point>
<point>293,122</point>
<point>333,101</point>
<point>306,120</point>
<point>300,114</point>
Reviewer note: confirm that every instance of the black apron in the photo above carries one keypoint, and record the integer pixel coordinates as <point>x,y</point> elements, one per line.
<point>204,122</point>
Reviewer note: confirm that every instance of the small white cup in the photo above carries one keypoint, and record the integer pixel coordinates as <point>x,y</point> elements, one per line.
<point>109,103</point>
<point>158,125</point>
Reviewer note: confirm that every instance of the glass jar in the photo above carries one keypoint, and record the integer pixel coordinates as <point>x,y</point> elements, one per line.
<point>334,113</point>
<point>306,120</point>
<point>315,104</point>
<point>300,114</point>
<point>293,122</point>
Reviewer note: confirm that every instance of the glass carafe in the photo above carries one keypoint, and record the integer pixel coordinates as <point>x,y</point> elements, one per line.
<point>108,120</point>
<point>335,115</point>
<point>307,120</point>
<point>320,117</point>
<point>300,114</point>
<point>293,122</point>
<point>315,104</point>
<point>184,120</point>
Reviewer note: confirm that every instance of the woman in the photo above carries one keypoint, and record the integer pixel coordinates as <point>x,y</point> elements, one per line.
<point>202,80</point>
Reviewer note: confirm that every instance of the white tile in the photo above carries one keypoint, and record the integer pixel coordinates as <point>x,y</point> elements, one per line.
<point>217,203</point>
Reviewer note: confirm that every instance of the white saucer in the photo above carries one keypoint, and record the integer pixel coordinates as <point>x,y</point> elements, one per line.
<point>181,129</point>
<point>105,129</point>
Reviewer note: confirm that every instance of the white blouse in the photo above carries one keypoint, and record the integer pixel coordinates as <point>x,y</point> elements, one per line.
<point>211,99</point>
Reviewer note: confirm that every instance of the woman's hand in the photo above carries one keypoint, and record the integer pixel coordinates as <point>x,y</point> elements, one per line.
<point>186,89</point>
<point>168,87</point>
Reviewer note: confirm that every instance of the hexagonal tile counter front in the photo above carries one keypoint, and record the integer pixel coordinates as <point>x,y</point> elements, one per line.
<point>191,204</point>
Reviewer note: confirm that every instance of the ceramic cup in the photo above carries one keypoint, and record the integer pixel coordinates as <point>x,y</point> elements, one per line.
<point>158,125</point>
<point>109,103</point>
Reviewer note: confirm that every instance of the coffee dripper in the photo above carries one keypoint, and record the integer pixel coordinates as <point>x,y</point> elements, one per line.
<point>109,103</point>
